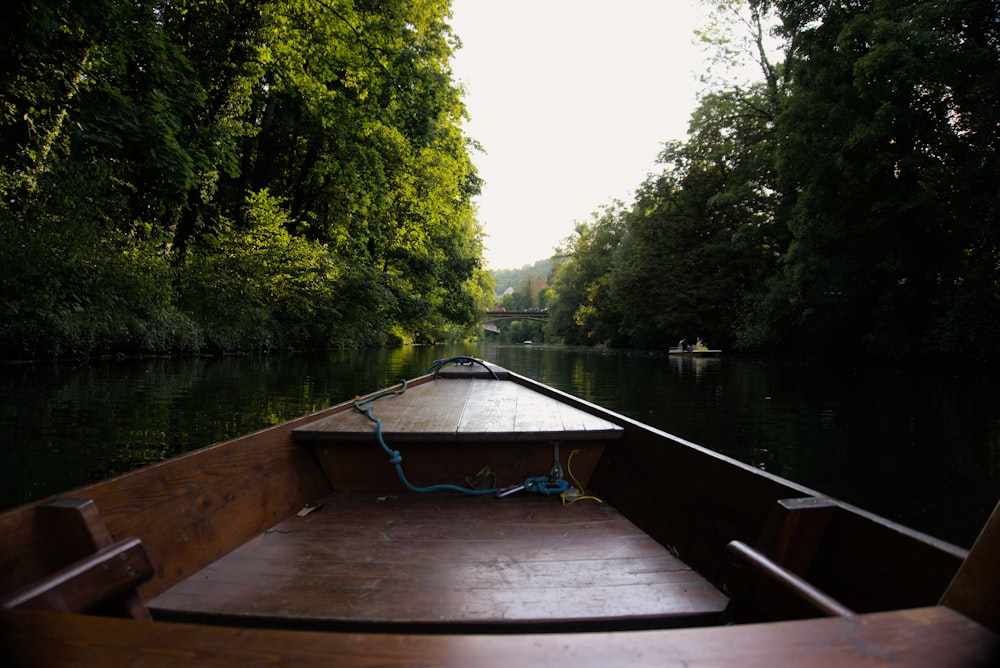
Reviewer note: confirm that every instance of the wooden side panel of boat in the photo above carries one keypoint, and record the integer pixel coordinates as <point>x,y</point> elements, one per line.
<point>188,511</point>
<point>924,637</point>
<point>697,501</point>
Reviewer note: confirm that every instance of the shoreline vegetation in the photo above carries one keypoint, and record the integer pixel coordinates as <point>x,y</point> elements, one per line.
<point>282,175</point>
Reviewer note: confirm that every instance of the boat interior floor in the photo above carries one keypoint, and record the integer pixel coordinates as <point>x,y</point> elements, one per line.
<point>448,563</point>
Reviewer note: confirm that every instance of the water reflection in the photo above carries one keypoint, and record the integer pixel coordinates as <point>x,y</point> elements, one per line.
<point>917,445</point>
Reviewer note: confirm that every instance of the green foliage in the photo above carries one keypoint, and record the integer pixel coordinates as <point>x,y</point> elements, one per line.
<point>847,201</point>
<point>70,287</point>
<point>527,274</point>
<point>233,176</point>
<point>255,175</point>
<point>583,309</point>
<point>882,226</point>
<point>259,287</point>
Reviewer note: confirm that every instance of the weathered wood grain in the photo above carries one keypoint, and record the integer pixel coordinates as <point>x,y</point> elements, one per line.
<point>89,582</point>
<point>76,530</point>
<point>975,589</point>
<point>919,638</point>
<point>464,409</point>
<point>187,511</point>
<point>449,562</point>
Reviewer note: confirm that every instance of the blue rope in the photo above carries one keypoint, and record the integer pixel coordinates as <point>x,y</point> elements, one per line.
<point>396,458</point>
<point>544,485</point>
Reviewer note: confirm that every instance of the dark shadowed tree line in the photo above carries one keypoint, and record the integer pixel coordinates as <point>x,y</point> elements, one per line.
<point>846,202</point>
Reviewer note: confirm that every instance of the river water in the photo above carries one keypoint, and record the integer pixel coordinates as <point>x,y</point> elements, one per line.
<point>918,445</point>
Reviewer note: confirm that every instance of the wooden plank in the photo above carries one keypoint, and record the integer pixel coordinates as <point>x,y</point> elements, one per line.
<point>418,573</point>
<point>464,409</point>
<point>774,592</point>
<point>436,414</point>
<point>434,424</point>
<point>689,497</point>
<point>76,531</point>
<point>869,563</point>
<point>491,408</point>
<point>77,527</point>
<point>975,589</point>
<point>366,467</point>
<point>188,511</point>
<point>528,413</point>
<point>919,638</point>
<point>89,582</point>
<point>450,562</point>
<point>794,531</point>
<point>429,409</point>
<point>538,413</point>
<point>770,582</point>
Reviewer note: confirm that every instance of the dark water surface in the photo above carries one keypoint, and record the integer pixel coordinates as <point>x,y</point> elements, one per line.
<point>918,445</point>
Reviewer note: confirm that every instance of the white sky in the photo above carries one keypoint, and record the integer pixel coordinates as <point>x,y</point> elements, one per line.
<point>572,101</point>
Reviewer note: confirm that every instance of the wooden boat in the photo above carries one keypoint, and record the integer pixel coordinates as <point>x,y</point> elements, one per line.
<point>695,351</point>
<point>473,516</point>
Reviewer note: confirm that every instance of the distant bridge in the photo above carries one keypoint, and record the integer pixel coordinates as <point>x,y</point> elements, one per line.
<point>497,316</point>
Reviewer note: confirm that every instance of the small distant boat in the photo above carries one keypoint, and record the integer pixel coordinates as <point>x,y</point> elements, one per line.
<point>696,351</point>
<point>527,343</point>
<point>473,516</point>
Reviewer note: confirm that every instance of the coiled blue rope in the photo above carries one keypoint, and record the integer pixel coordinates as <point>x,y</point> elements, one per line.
<point>545,485</point>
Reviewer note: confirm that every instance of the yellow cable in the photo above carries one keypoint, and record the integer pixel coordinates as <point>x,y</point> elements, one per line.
<point>576,483</point>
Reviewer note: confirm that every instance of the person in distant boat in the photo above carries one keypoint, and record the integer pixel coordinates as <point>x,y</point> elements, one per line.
<point>700,343</point>
<point>684,345</point>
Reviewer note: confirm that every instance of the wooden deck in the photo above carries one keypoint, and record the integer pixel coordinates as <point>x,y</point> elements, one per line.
<point>465,409</point>
<point>448,563</point>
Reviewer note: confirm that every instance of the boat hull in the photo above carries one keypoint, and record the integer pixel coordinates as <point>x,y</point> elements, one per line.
<point>213,515</point>
<point>696,352</point>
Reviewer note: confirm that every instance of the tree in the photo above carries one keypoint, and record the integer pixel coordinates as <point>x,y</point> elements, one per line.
<point>876,165</point>
<point>583,309</point>
<point>702,237</point>
<point>360,134</point>
<point>320,139</point>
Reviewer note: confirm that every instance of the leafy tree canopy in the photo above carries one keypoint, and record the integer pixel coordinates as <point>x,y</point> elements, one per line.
<point>233,175</point>
<point>846,201</point>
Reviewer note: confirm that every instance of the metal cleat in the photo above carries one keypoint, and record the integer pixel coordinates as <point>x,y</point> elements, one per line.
<point>507,491</point>
<point>557,472</point>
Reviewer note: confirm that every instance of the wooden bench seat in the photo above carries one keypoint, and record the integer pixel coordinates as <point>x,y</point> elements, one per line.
<point>448,563</point>
<point>90,571</point>
<point>109,574</point>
